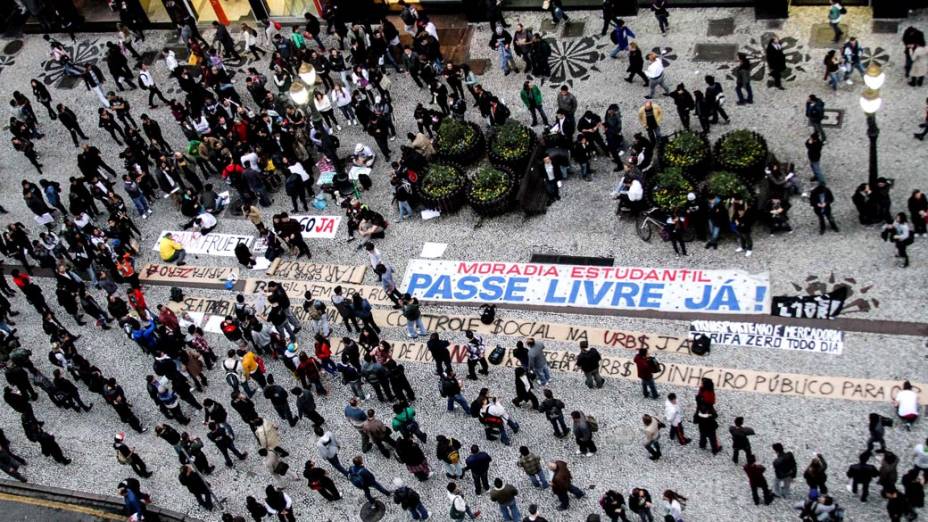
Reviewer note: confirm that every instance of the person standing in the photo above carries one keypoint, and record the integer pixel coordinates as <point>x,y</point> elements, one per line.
<point>821,199</point>
<point>708,425</point>
<point>537,361</point>
<point>646,366</point>
<point>739,439</point>
<point>757,481</point>
<point>651,115</point>
<point>899,233</point>
<point>609,17</point>
<point>67,118</point>
<point>784,471</point>
<point>673,415</point>
<point>583,434</point>
<point>478,463</point>
<point>459,508</point>
<point>505,497</point>
<point>126,455</point>
<point>684,104</point>
<point>531,98</point>
<point>279,399</point>
<point>652,436</point>
<point>776,62</point>
<point>562,484</point>
<point>588,361</point>
<point>814,151</point>
<point>834,19</point>
<point>743,80</point>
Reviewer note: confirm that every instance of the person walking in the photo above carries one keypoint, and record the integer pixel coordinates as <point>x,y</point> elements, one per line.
<point>899,233</point>
<point>267,436</point>
<point>562,484</point>
<point>673,416</point>
<point>361,478</point>
<point>635,64</point>
<point>554,411</point>
<point>318,480</point>
<point>128,456</point>
<point>832,69</point>
<point>224,440</point>
<point>478,463</point>
<point>459,508</point>
<point>409,500</point>
<point>583,428</point>
<point>708,425</point>
<point>537,361</point>
<point>821,199</point>
<point>588,362</point>
<point>197,486</point>
<point>655,74</point>
<point>531,465</point>
<point>659,8</point>
<point>784,470</point>
<point>620,36</point>
<point>861,474</point>
<point>505,497</point>
<point>835,12</point>
<point>716,99</point>
<point>684,103</point>
<point>743,80</point>
<point>279,399</point>
<point>652,436</point>
<point>328,448</point>
<point>67,118</point>
<point>450,388</point>
<point>776,62</point>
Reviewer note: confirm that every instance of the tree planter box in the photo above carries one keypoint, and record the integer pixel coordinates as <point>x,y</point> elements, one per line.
<point>693,171</point>
<point>515,165</point>
<point>751,172</point>
<point>451,202</point>
<point>499,205</point>
<point>468,155</point>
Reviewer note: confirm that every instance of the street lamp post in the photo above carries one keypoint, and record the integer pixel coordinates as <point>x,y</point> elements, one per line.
<point>871,102</point>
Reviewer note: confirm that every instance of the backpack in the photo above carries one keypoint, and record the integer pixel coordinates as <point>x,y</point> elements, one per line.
<point>653,365</point>
<point>177,294</point>
<point>614,36</point>
<point>843,10</point>
<point>455,513</point>
<point>496,356</point>
<point>354,476</point>
<point>446,387</point>
<point>488,313</point>
<point>701,345</point>
<point>592,423</point>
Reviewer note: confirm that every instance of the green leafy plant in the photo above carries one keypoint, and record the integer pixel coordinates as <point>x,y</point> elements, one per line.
<point>686,150</point>
<point>441,181</point>
<point>488,184</point>
<point>726,184</point>
<point>671,189</point>
<point>741,150</point>
<point>455,137</point>
<point>511,141</point>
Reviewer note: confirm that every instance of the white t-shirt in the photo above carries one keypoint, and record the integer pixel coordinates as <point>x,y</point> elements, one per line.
<point>251,159</point>
<point>908,402</point>
<point>207,220</point>
<point>297,168</point>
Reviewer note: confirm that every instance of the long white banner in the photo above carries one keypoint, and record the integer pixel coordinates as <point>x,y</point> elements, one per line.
<point>778,336</point>
<point>620,288</point>
<point>318,227</point>
<point>212,244</point>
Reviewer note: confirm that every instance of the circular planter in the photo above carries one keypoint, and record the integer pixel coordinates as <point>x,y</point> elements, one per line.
<point>515,164</point>
<point>499,204</point>
<point>688,151</point>
<point>446,202</point>
<point>743,152</point>
<point>466,155</point>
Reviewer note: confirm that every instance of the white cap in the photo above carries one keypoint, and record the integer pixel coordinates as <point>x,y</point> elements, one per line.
<point>691,197</point>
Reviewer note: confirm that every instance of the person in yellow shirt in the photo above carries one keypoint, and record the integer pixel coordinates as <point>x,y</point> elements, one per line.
<point>171,250</point>
<point>250,368</point>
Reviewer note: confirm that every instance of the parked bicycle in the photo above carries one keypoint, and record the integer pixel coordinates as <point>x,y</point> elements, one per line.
<point>655,219</point>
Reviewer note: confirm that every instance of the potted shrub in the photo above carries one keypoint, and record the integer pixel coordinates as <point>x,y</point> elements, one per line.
<point>510,145</point>
<point>460,142</point>
<point>726,185</point>
<point>743,152</point>
<point>671,189</point>
<point>491,190</point>
<point>689,152</point>
<point>442,187</point>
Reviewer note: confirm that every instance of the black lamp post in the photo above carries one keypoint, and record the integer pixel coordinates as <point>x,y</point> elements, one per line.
<point>870,102</point>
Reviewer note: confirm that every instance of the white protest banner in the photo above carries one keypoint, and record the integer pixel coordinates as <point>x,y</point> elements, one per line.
<point>318,227</point>
<point>778,336</point>
<point>212,244</point>
<point>618,288</point>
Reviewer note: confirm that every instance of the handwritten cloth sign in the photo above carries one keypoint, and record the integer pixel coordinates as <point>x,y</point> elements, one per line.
<point>619,288</point>
<point>308,271</point>
<point>212,244</point>
<point>318,227</point>
<point>778,336</point>
<point>319,289</point>
<point>729,379</point>
<point>187,274</point>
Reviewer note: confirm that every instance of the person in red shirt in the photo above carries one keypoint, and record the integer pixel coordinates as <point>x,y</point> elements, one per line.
<point>756,480</point>
<point>324,353</point>
<point>127,271</point>
<point>168,318</point>
<point>137,300</point>
<point>646,368</point>
<point>32,291</point>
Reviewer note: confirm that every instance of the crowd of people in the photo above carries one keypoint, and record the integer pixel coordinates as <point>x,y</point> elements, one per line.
<point>259,144</point>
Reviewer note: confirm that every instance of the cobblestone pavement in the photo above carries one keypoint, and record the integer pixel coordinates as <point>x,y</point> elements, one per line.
<point>582,223</point>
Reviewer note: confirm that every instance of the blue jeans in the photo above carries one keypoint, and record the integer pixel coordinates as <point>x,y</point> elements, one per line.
<point>412,326</point>
<point>560,427</point>
<point>141,204</point>
<point>585,170</point>
<point>714,232</point>
<point>376,485</point>
<point>618,48</point>
<point>543,375</point>
<point>419,512</point>
<point>338,466</point>
<point>503,435</point>
<point>817,171</point>
<point>405,209</point>
<point>741,98</point>
<point>565,500</point>
<point>855,66</point>
<point>646,385</point>
<point>539,480</point>
<point>510,512</point>
<point>460,400</point>
<point>834,79</point>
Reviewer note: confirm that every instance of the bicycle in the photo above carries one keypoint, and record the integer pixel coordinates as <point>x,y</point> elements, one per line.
<point>646,222</point>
